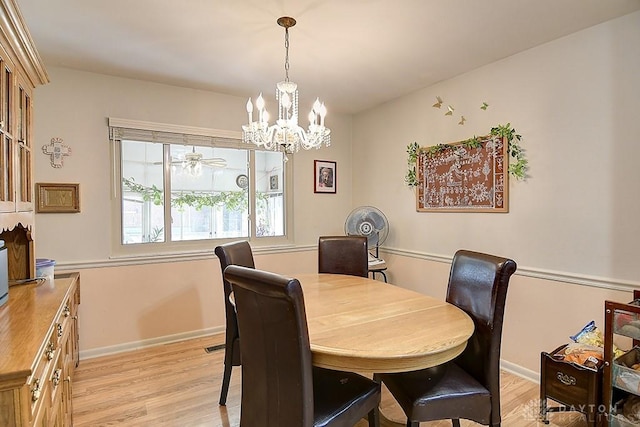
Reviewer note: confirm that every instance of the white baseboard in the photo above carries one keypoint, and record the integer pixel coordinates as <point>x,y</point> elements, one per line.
<point>151,342</point>
<point>518,370</point>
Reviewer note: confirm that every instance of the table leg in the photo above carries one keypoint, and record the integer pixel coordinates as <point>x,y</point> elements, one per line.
<point>388,421</point>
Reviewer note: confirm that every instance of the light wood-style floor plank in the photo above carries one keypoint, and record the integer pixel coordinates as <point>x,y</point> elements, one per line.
<point>178,384</point>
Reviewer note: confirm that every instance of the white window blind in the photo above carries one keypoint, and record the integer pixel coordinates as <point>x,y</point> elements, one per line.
<point>123,129</point>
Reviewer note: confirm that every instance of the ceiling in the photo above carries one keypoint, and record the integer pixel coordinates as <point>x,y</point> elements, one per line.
<point>353,54</point>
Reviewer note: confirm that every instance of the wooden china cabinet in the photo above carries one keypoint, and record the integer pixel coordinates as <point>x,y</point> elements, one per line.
<point>21,70</point>
<point>39,321</point>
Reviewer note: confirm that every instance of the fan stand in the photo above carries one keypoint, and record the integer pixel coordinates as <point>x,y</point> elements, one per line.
<point>378,269</point>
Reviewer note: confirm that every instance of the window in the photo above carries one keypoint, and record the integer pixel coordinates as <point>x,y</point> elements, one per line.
<point>182,187</point>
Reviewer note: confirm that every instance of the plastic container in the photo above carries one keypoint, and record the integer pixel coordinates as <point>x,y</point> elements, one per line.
<point>45,268</point>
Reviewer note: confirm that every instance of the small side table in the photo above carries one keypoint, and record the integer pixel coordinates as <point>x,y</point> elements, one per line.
<point>576,388</point>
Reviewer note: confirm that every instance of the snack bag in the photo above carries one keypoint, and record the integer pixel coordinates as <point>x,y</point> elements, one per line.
<point>591,335</point>
<point>585,355</point>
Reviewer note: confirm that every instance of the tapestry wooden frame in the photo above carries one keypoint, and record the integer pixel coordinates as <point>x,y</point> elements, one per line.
<point>463,176</point>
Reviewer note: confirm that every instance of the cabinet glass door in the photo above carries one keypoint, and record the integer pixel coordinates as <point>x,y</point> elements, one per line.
<point>24,180</point>
<point>7,183</point>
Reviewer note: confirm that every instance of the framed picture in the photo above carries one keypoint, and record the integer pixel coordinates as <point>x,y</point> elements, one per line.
<point>56,198</point>
<point>325,179</point>
<point>273,182</point>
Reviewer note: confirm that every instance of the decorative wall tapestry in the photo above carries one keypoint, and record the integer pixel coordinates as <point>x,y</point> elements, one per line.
<point>466,176</point>
<point>56,150</point>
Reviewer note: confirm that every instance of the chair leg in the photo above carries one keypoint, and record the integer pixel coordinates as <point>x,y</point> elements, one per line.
<point>374,417</point>
<point>455,423</point>
<point>226,378</point>
<point>413,423</point>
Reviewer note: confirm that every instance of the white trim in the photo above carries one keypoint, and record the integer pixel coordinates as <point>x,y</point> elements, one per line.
<point>520,371</point>
<point>570,278</point>
<point>122,261</point>
<point>165,127</point>
<point>151,342</point>
<point>537,273</point>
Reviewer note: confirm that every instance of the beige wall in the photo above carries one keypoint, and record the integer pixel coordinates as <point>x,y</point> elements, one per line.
<point>575,101</point>
<point>75,107</point>
<point>127,301</point>
<point>127,307</point>
<point>572,226</point>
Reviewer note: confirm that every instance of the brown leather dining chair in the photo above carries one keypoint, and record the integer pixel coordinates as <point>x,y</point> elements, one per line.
<point>469,386</point>
<point>236,253</point>
<point>280,387</point>
<point>343,255</point>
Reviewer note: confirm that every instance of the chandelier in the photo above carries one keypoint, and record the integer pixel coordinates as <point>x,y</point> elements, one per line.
<point>285,134</point>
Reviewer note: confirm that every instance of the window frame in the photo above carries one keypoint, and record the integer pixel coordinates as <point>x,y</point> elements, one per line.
<point>216,138</point>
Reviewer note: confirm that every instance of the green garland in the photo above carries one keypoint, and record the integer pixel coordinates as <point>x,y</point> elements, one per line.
<point>518,169</point>
<point>233,200</point>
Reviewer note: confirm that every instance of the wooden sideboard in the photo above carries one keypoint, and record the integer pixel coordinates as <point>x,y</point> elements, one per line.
<point>39,342</point>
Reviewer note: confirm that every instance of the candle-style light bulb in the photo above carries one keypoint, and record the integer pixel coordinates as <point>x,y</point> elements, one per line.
<point>260,102</point>
<point>316,106</point>
<point>260,107</point>
<point>312,118</point>
<point>250,110</point>
<point>286,101</point>
<point>322,112</point>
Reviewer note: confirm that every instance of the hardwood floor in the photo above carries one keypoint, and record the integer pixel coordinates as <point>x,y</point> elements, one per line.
<point>178,384</point>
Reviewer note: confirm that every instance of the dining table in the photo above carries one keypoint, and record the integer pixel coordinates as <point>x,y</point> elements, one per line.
<point>368,326</point>
<point>365,325</point>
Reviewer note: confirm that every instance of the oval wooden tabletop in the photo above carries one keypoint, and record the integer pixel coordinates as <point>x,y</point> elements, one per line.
<point>364,325</point>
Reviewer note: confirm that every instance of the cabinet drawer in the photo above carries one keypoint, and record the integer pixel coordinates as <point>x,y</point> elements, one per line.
<point>569,384</point>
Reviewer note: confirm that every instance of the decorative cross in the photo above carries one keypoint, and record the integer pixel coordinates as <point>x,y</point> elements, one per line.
<point>56,149</point>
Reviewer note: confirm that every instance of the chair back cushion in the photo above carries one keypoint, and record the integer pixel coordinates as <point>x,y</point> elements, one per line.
<point>478,285</point>
<point>343,255</point>
<point>235,253</point>
<point>277,380</point>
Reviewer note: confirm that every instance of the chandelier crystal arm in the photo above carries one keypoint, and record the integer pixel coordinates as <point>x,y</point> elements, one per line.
<point>286,134</point>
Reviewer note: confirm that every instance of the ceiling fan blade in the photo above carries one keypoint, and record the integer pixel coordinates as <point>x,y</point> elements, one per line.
<point>216,162</point>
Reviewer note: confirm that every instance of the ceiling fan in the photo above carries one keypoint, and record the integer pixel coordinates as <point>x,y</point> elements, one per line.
<point>192,162</point>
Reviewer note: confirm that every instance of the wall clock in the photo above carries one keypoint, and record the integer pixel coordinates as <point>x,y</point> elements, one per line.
<point>242,181</point>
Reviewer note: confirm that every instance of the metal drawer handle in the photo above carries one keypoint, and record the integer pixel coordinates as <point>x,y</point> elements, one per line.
<point>66,311</point>
<point>35,392</point>
<point>55,379</point>
<point>50,350</point>
<point>566,379</point>
<point>59,325</point>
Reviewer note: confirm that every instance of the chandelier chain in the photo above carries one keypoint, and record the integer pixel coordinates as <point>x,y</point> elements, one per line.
<point>286,56</point>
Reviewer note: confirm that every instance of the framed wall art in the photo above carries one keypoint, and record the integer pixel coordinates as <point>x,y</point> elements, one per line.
<point>466,176</point>
<point>325,178</point>
<point>57,198</point>
<point>273,183</point>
